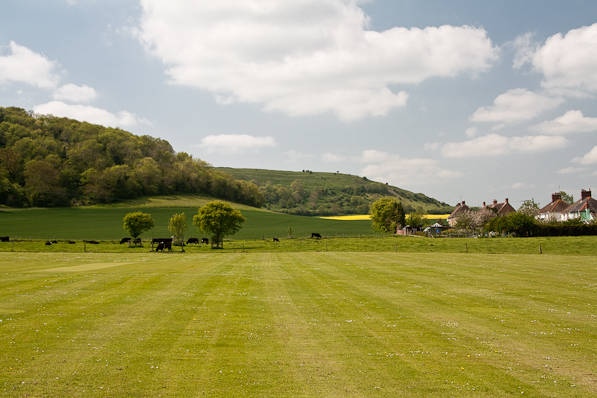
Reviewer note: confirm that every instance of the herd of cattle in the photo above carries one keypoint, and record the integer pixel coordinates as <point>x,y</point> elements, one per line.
<point>162,243</point>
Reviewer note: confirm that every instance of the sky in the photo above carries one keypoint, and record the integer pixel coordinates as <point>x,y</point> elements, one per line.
<point>460,100</point>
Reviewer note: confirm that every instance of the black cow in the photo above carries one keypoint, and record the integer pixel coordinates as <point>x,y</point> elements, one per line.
<point>160,247</point>
<point>275,239</point>
<point>137,241</point>
<point>71,242</point>
<point>316,235</point>
<point>125,240</point>
<point>4,239</point>
<point>54,241</point>
<point>48,243</point>
<point>92,242</point>
<point>205,240</point>
<point>193,241</point>
<point>167,243</point>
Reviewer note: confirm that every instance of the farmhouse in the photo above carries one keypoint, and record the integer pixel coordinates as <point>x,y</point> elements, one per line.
<point>501,209</point>
<point>485,212</point>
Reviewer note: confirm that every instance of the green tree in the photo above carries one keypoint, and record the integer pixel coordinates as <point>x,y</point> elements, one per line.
<point>529,207</point>
<point>415,220</point>
<point>136,223</point>
<point>567,198</point>
<point>177,227</point>
<point>387,214</point>
<point>218,219</point>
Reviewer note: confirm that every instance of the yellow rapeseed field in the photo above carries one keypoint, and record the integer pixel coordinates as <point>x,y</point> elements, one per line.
<point>360,217</point>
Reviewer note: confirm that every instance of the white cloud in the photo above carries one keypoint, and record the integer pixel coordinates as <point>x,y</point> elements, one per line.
<point>525,46</point>
<point>21,65</point>
<point>408,171</point>
<point>88,113</point>
<point>518,185</point>
<point>329,157</point>
<point>569,123</point>
<point>497,145</point>
<point>515,105</point>
<point>571,170</point>
<point>432,146</point>
<point>589,159</point>
<point>568,62</point>
<point>374,156</point>
<point>304,57</point>
<point>471,132</point>
<point>73,93</point>
<point>235,143</point>
<point>296,156</point>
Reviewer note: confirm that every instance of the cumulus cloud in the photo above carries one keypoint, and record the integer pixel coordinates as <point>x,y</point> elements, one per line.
<point>471,132</point>
<point>329,157</point>
<point>568,62</point>
<point>73,93</point>
<point>497,145</point>
<point>22,65</point>
<point>304,57</point>
<point>569,123</point>
<point>374,156</point>
<point>515,105</point>
<point>235,143</point>
<point>407,171</point>
<point>88,113</point>
<point>589,159</point>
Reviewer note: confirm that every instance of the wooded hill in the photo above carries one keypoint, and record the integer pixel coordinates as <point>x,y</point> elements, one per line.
<point>50,161</point>
<point>315,193</point>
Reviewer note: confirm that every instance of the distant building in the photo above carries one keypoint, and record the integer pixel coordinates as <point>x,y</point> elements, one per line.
<point>555,210</point>
<point>585,208</point>
<point>502,209</point>
<point>460,209</point>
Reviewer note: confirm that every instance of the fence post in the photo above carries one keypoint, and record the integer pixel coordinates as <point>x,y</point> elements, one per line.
<point>466,246</point>
<point>540,249</point>
<point>84,247</point>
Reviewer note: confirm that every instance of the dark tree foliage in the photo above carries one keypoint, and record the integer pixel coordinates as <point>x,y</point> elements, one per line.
<point>51,161</point>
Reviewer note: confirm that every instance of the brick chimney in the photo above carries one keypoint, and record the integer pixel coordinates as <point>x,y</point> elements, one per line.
<point>556,196</point>
<point>495,202</point>
<point>585,194</point>
<point>463,203</point>
<point>484,205</point>
<point>506,200</point>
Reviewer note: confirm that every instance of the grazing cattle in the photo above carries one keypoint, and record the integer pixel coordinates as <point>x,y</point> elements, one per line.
<point>4,239</point>
<point>92,242</point>
<point>316,235</point>
<point>54,241</point>
<point>71,242</point>
<point>205,240</point>
<point>193,241</point>
<point>160,247</point>
<point>125,240</point>
<point>137,241</point>
<point>48,243</point>
<point>275,239</point>
<point>166,243</point>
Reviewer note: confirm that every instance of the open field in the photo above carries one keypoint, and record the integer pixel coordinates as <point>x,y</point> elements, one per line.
<point>297,324</point>
<point>578,245</point>
<point>105,223</point>
<point>357,217</point>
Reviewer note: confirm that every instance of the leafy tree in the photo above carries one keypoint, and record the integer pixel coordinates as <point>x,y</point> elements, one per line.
<point>567,198</point>
<point>415,220</point>
<point>465,222</point>
<point>529,207</point>
<point>218,219</point>
<point>177,227</point>
<point>387,215</point>
<point>136,223</point>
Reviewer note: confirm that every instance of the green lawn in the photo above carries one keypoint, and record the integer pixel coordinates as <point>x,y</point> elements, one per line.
<point>105,223</point>
<point>298,324</point>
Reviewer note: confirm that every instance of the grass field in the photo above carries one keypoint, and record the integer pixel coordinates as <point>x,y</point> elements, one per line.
<point>106,223</point>
<point>291,324</point>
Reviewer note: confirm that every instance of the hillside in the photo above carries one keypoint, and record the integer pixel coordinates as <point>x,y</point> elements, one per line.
<point>316,193</point>
<point>49,161</point>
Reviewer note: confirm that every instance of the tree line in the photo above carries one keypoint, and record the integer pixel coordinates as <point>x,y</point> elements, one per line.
<point>49,161</point>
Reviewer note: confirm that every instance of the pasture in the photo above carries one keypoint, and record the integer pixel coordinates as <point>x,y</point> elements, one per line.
<point>105,223</point>
<point>293,324</point>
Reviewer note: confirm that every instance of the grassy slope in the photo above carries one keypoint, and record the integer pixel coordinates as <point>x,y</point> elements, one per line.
<point>297,324</point>
<point>106,223</point>
<point>338,181</point>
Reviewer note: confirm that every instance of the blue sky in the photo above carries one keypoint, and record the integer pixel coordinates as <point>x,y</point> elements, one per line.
<point>460,100</point>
